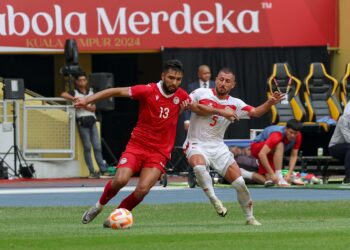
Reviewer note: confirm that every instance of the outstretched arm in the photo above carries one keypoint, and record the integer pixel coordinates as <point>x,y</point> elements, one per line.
<point>265,107</point>
<point>205,110</point>
<point>112,92</point>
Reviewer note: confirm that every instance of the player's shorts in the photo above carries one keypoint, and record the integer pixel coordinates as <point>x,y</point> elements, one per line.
<point>137,157</point>
<point>255,148</point>
<point>216,154</point>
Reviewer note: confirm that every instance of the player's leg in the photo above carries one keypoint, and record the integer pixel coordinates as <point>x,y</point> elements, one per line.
<point>278,163</point>
<point>233,176</point>
<point>198,163</point>
<point>129,164</point>
<point>111,189</point>
<point>258,178</point>
<point>148,178</point>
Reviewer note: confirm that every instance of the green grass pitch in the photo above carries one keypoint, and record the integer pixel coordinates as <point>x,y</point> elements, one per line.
<point>286,225</point>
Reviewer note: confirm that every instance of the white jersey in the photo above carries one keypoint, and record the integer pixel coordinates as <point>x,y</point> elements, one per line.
<point>212,128</point>
<point>83,112</point>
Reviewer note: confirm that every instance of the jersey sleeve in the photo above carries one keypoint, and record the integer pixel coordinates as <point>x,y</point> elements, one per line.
<point>138,92</point>
<point>298,140</point>
<point>243,109</point>
<point>195,95</point>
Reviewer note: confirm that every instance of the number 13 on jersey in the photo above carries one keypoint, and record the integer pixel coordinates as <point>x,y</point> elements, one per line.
<point>164,113</point>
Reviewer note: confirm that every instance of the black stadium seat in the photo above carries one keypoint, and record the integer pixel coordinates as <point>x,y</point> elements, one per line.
<point>320,96</point>
<point>291,107</point>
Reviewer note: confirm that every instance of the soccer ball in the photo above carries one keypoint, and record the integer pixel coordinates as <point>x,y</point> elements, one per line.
<point>121,218</point>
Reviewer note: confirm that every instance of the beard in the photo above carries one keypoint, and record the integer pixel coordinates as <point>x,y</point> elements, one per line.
<point>221,91</point>
<point>168,90</point>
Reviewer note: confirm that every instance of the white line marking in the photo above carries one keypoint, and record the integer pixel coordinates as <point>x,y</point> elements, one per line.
<point>74,190</point>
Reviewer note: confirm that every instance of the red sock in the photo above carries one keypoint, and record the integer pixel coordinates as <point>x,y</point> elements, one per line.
<point>108,193</point>
<point>130,202</point>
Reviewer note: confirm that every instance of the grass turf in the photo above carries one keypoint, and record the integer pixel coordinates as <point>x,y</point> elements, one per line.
<point>286,225</point>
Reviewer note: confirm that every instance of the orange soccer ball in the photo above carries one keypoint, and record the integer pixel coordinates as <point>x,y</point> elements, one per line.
<point>121,218</point>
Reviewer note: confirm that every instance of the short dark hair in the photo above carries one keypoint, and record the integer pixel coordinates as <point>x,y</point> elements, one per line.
<point>294,124</point>
<point>227,70</point>
<point>175,65</point>
<point>79,74</point>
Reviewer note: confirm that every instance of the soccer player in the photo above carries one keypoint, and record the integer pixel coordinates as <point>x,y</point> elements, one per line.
<point>152,140</point>
<point>205,146</point>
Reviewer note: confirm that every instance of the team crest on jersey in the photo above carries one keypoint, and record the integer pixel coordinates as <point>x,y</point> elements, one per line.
<point>123,161</point>
<point>157,97</point>
<point>176,100</point>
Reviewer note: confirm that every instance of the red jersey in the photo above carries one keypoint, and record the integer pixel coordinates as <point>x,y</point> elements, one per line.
<point>277,137</point>
<point>158,116</point>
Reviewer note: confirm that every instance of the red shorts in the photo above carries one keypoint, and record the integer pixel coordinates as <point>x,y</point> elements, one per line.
<point>136,157</point>
<point>255,148</point>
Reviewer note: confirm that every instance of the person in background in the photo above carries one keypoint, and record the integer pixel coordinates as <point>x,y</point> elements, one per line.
<point>269,148</point>
<point>86,120</point>
<point>204,76</point>
<point>339,145</point>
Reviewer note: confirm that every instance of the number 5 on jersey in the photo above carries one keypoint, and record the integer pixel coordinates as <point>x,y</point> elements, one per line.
<point>215,120</point>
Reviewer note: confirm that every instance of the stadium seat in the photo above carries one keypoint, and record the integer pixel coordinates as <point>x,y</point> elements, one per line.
<point>345,87</point>
<point>291,107</point>
<point>320,97</point>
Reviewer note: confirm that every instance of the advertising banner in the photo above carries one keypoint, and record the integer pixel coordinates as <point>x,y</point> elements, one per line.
<point>117,25</point>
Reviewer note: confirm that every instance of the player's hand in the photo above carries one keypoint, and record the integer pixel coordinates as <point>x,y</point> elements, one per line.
<point>185,104</point>
<point>80,102</point>
<point>288,178</point>
<point>276,97</point>
<point>274,178</point>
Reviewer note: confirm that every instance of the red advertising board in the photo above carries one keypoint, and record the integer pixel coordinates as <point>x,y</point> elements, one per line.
<point>114,25</point>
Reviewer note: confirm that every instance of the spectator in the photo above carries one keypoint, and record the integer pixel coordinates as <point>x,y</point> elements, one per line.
<point>86,120</point>
<point>339,145</point>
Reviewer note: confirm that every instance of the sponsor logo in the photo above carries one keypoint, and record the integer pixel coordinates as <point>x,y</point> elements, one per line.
<point>185,20</point>
<point>123,161</point>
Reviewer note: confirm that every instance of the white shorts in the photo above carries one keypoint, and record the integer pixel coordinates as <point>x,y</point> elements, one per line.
<point>216,155</point>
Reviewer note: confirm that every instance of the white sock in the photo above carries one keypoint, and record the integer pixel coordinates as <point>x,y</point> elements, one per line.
<point>243,197</point>
<point>99,205</point>
<point>204,181</point>
<point>246,174</point>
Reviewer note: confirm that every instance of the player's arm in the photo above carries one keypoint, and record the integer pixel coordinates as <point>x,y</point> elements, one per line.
<point>265,107</point>
<point>292,161</point>
<point>112,92</point>
<point>265,162</point>
<point>205,110</point>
